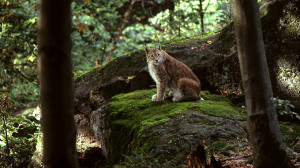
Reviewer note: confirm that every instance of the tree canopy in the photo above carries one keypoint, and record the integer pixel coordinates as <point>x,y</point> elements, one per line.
<point>95,27</point>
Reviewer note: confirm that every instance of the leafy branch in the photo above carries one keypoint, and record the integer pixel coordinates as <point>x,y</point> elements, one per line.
<point>5,103</point>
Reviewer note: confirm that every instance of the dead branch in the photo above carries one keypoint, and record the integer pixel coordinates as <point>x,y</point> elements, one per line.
<point>233,51</point>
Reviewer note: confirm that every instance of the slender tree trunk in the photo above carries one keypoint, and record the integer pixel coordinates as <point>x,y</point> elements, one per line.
<point>201,16</point>
<point>266,142</point>
<point>127,14</point>
<point>55,67</point>
<point>179,17</point>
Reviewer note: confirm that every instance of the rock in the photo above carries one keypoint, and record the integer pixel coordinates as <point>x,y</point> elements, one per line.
<point>181,134</point>
<point>92,157</point>
<point>132,122</point>
<point>100,124</point>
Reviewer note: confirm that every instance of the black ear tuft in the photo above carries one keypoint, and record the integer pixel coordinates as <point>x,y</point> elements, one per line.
<point>147,49</point>
<point>158,46</point>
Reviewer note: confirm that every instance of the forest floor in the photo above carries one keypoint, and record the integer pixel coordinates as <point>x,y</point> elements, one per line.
<point>242,156</point>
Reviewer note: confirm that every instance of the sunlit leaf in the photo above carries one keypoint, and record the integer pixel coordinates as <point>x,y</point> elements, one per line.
<point>31,21</point>
<point>31,58</point>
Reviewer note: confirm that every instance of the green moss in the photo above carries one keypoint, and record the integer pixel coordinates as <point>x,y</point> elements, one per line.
<point>79,75</point>
<point>207,96</point>
<point>187,39</point>
<point>131,113</point>
<point>290,132</point>
<point>98,68</point>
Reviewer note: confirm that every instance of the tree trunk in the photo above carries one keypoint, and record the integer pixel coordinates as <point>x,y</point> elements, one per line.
<point>201,16</point>
<point>268,148</point>
<point>58,126</point>
<point>179,20</point>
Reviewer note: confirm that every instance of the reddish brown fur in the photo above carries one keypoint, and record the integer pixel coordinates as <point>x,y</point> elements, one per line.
<point>173,74</point>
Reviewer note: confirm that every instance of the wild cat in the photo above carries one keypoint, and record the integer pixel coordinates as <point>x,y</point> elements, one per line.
<point>170,73</point>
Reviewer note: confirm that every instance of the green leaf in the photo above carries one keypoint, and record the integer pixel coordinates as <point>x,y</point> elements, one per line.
<point>31,21</point>
<point>31,58</point>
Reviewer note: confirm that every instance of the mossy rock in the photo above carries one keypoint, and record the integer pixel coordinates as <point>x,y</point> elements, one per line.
<point>138,106</point>
<point>168,129</point>
<point>135,126</point>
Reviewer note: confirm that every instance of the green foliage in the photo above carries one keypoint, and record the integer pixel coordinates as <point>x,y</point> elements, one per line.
<point>97,24</point>
<point>184,20</point>
<point>284,109</point>
<point>17,136</point>
<point>18,50</point>
<point>224,18</point>
<point>24,93</point>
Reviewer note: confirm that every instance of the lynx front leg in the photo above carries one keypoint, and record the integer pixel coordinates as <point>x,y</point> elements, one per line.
<point>160,92</point>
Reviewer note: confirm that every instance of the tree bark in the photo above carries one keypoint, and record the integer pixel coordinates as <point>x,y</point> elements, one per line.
<point>56,94</point>
<point>179,17</point>
<point>201,16</point>
<point>266,142</point>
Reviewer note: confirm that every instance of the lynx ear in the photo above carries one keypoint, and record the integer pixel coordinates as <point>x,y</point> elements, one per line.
<point>158,46</point>
<point>147,49</point>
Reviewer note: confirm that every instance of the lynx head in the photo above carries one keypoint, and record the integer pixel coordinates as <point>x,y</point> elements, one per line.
<point>154,55</point>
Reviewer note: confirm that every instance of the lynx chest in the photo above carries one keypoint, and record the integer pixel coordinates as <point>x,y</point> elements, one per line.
<point>153,72</point>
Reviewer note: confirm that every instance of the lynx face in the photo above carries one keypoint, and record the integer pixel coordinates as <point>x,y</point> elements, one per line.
<point>154,56</point>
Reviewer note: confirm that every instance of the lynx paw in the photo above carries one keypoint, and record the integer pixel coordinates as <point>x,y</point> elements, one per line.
<point>155,98</point>
<point>171,93</point>
<point>177,96</point>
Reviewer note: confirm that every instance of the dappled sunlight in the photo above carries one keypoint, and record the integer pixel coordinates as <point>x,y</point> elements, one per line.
<point>288,76</point>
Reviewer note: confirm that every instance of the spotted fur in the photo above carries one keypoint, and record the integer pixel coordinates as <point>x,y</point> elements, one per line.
<point>167,72</point>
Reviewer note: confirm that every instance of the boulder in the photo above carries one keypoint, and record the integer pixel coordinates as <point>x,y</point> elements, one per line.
<point>169,131</point>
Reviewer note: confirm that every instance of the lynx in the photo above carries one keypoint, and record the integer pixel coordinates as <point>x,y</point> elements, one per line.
<point>167,72</point>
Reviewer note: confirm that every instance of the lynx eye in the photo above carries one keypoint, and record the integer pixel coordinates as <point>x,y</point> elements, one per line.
<point>151,56</point>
